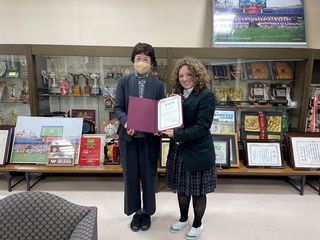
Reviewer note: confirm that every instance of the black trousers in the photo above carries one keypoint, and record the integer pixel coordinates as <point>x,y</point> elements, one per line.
<point>139,163</point>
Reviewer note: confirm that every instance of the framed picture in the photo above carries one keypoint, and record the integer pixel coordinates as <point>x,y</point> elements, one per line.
<point>34,135</point>
<point>222,151</point>
<point>165,144</point>
<point>263,153</point>
<point>220,72</point>
<point>283,70</point>
<point>258,70</point>
<point>303,149</point>
<point>224,121</point>
<point>6,135</point>
<point>233,148</point>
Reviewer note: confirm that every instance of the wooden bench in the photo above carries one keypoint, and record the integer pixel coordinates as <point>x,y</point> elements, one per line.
<point>29,169</point>
<point>7,171</point>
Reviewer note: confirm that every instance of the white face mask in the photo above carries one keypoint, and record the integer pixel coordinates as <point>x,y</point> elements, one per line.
<point>142,67</point>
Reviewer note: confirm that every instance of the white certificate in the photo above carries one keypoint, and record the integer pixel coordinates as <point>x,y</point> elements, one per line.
<point>306,152</point>
<point>170,113</point>
<point>3,145</point>
<point>264,154</point>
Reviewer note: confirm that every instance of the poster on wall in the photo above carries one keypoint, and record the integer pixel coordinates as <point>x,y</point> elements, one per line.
<point>259,23</point>
<point>35,135</point>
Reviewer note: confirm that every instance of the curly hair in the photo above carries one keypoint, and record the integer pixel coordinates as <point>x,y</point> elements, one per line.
<point>199,74</point>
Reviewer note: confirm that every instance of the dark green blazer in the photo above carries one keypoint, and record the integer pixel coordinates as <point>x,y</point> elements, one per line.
<point>195,140</point>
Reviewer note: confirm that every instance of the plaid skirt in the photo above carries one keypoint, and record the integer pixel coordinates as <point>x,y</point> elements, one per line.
<point>190,183</point>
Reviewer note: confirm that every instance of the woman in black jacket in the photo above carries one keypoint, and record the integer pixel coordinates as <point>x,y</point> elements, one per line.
<point>191,158</point>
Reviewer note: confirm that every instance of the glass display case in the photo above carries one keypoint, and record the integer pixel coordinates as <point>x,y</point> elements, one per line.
<point>14,88</point>
<point>84,86</point>
<point>265,87</point>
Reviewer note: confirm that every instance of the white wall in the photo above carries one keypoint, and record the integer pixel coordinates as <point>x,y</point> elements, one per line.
<point>163,23</point>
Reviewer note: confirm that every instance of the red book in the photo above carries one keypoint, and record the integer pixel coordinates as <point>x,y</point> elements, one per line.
<point>90,150</point>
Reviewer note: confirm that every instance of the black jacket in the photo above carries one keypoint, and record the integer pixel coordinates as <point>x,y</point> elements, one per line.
<point>197,149</point>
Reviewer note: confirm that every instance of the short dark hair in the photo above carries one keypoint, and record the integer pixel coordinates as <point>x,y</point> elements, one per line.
<point>147,50</point>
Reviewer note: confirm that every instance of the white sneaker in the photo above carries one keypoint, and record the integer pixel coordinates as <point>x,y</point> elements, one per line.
<point>194,233</point>
<point>177,226</point>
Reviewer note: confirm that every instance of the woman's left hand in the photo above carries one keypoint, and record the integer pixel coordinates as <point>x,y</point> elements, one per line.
<point>168,133</point>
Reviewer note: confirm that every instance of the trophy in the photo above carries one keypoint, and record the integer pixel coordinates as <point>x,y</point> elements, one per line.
<point>118,72</point>
<point>54,88</point>
<point>24,95</point>
<point>110,73</point>
<point>87,88</point>
<point>12,95</point>
<point>45,78</point>
<point>12,118</point>
<point>95,88</point>
<point>76,90</point>
<point>1,118</point>
<point>64,86</point>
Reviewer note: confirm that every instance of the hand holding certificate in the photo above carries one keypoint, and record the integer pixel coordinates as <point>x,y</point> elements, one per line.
<point>148,115</point>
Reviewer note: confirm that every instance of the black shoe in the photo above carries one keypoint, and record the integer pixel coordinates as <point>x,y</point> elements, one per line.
<point>135,224</point>
<point>145,222</point>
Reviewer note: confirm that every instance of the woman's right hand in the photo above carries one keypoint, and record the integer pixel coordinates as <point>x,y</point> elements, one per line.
<point>130,132</point>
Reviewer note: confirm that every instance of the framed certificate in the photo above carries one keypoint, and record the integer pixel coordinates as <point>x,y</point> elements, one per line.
<point>283,70</point>
<point>222,151</point>
<point>263,153</point>
<point>233,147</point>
<point>165,144</point>
<point>220,72</point>
<point>258,70</point>
<point>148,115</point>
<point>224,121</point>
<point>303,149</point>
<point>6,136</point>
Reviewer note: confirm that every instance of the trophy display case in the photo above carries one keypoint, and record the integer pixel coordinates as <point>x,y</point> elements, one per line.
<point>79,85</point>
<point>266,87</point>
<point>14,88</point>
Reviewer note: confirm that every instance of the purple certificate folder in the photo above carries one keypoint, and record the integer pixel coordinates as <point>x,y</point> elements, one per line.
<point>142,114</point>
<point>148,115</point>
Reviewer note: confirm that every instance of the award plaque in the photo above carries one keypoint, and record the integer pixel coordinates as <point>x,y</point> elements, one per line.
<point>236,71</point>
<point>283,70</point>
<point>253,125</point>
<point>90,151</point>
<point>220,72</point>
<point>279,94</point>
<point>258,71</point>
<point>221,93</point>
<point>258,93</point>
<point>76,90</point>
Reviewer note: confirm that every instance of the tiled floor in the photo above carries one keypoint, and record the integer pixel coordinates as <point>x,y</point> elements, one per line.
<point>241,209</point>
